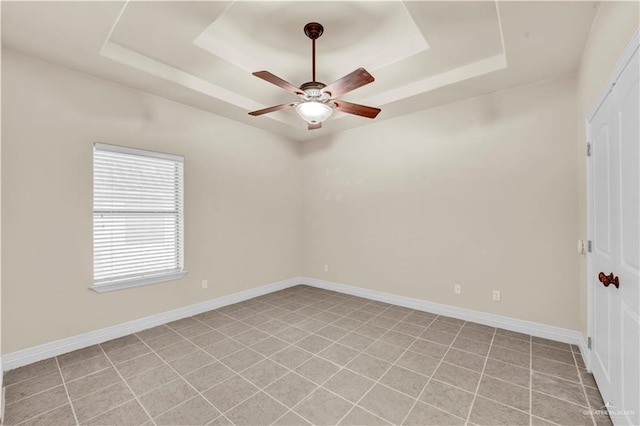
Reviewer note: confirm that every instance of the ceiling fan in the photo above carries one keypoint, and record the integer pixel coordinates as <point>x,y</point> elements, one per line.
<point>317,100</point>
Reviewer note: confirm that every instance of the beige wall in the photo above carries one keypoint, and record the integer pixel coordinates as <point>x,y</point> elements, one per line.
<point>481,193</point>
<point>242,195</point>
<point>613,27</point>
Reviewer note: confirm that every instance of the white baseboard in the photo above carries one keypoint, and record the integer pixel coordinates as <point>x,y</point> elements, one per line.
<point>37,353</point>
<point>564,335</point>
<point>585,352</point>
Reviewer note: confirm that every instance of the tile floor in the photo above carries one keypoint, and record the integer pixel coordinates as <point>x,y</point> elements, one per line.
<point>309,356</point>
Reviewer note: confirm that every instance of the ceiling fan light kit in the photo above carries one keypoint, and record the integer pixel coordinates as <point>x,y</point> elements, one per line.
<point>317,100</point>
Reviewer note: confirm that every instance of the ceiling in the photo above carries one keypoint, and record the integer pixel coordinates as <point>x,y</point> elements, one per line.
<point>202,53</point>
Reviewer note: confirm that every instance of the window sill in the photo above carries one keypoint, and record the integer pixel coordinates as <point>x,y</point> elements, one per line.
<point>138,282</point>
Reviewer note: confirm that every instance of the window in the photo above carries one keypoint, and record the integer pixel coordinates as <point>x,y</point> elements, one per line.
<point>137,217</point>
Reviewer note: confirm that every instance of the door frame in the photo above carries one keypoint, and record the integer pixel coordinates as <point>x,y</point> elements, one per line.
<point>632,46</point>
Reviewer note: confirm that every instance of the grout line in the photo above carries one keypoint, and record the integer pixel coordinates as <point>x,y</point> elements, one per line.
<point>473,401</point>
<point>332,300</point>
<point>126,384</point>
<point>584,391</point>
<point>417,399</point>
<point>531,382</point>
<point>73,410</point>
<point>38,415</point>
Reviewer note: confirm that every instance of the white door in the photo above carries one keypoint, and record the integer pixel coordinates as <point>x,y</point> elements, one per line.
<point>615,231</point>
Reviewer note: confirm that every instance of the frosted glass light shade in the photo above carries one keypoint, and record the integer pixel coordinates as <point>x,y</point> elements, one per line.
<point>314,112</point>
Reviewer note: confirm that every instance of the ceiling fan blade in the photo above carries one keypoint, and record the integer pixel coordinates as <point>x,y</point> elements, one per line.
<point>362,110</point>
<point>273,79</point>
<point>315,126</point>
<point>271,109</point>
<point>349,82</point>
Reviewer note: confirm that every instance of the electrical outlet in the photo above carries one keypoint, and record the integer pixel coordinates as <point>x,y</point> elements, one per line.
<point>326,268</point>
<point>496,295</point>
<point>457,288</point>
<point>205,284</point>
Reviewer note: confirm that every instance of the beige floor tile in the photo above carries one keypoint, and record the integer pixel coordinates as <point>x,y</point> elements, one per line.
<point>209,338</point>
<point>339,354</point>
<point>558,388</point>
<point>182,323</point>
<point>437,336</point>
<point>490,413</point>
<point>360,417</point>
<point>164,340</point>
<point>259,409</point>
<point>139,365</point>
<point>554,368</point>
<point>369,366</point>
<point>409,329</point>
<point>35,405</point>
<point>128,414</point>
<point>61,416</point>
<point>419,363</point>
<point>398,339</point>
<point>552,343</point>
<point>349,385</point>
<point>291,357</point>
<point>426,415</point>
<point>473,346</point>
<point>552,354</point>
<point>39,368</point>
<point>269,346</point>
<point>79,355</point>
<point>432,349</point>
<point>508,372</point>
<point>85,385</point>
<point>128,352</point>
<point>194,412</point>
<point>291,389</point>
<point>465,359</point>
<point>85,367</point>
<point>191,362</point>
<point>317,370</point>
<point>31,386</point>
<point>356,341</point>
<point>558,411</point>
<point>323,408</point>
<point>448,398</point>
<point>101,401</point>
<point>230,393</point>
<point>332,333</point>
<point>505,392</point>
<point>387,403</point>
<point>150,333</point>
<point>512,343</point>
<point>151,379</point>
<point>264,373</point>
<point>223,348</point>
<point>519,359</point>
<point>177,350</point>
<point>291,419</point>
<point>292,334</point>
<point>404,380</point>
<point>457,376</point>
<point>370,331</point>
<point>208,376</point>
<point>281,329</point>
<point>166,397</point>
<point>196,330</point>
<point>242,359</point>
<point>385,351</point>
<point>314,343</point>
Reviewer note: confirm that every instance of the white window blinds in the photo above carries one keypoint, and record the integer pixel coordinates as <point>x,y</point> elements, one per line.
<point>137,217</point>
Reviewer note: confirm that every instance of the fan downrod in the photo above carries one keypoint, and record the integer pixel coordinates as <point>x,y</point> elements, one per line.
<point>313,30</point>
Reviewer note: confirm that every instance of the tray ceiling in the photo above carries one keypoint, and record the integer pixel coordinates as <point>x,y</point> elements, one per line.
<point>422,54</point>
